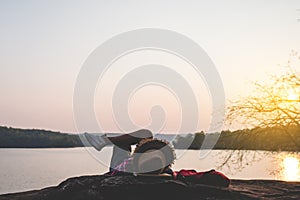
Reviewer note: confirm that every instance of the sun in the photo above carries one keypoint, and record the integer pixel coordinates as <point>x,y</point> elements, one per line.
<point>292,96</point>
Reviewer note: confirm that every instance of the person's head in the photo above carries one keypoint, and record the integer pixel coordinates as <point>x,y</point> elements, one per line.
<point>153,156</point>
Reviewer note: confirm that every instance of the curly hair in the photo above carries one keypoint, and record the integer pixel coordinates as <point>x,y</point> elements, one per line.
<point>162,146</point>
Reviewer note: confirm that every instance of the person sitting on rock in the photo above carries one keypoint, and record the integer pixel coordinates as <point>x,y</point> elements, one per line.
<point>151,156</point>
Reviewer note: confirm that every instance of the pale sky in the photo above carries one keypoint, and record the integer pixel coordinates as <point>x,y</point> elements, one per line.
<point>45,43</point>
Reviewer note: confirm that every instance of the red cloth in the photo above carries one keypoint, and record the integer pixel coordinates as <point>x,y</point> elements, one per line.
<point>211,177</point>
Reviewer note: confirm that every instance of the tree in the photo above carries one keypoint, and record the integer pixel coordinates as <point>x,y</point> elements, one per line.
<point>273,104</point>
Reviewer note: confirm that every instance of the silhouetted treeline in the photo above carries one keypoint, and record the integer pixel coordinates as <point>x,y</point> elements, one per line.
<point>270,139</point>
<point>32,138</point>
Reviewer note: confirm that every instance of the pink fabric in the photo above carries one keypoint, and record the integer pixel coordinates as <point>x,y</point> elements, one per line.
<point>211,177</point>
<point>123,167</point>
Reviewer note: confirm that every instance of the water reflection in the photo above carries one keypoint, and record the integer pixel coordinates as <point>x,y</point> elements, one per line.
<point>245,164</point>
<point>290,168</point>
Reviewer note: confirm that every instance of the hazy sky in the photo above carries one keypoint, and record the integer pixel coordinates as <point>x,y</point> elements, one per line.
<point>45,43</point>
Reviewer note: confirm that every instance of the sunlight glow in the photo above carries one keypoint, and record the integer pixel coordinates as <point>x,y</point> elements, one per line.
<point>292,95</point>
<point>291,168</point>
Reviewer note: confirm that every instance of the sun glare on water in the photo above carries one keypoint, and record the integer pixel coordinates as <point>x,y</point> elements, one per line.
<point>291,168</point>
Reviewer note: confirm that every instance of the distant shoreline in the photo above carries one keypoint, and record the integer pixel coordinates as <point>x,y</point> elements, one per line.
<point>292,151</point>
<point>271,139</point>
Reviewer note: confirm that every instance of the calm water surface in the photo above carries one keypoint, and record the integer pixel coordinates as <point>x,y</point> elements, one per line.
<point>27,169</point>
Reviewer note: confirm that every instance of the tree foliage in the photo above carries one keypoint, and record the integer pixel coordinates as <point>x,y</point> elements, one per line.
<point>273,104</point>
<point>268,139</point>
<point>33,138</point>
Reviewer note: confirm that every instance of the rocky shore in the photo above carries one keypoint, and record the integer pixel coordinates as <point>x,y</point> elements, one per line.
<point>130,187</point>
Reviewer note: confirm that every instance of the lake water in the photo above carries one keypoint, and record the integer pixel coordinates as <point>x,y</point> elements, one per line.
<point>27,169</point>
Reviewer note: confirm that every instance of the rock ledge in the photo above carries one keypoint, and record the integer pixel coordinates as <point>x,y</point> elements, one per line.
<point>130,187</point>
